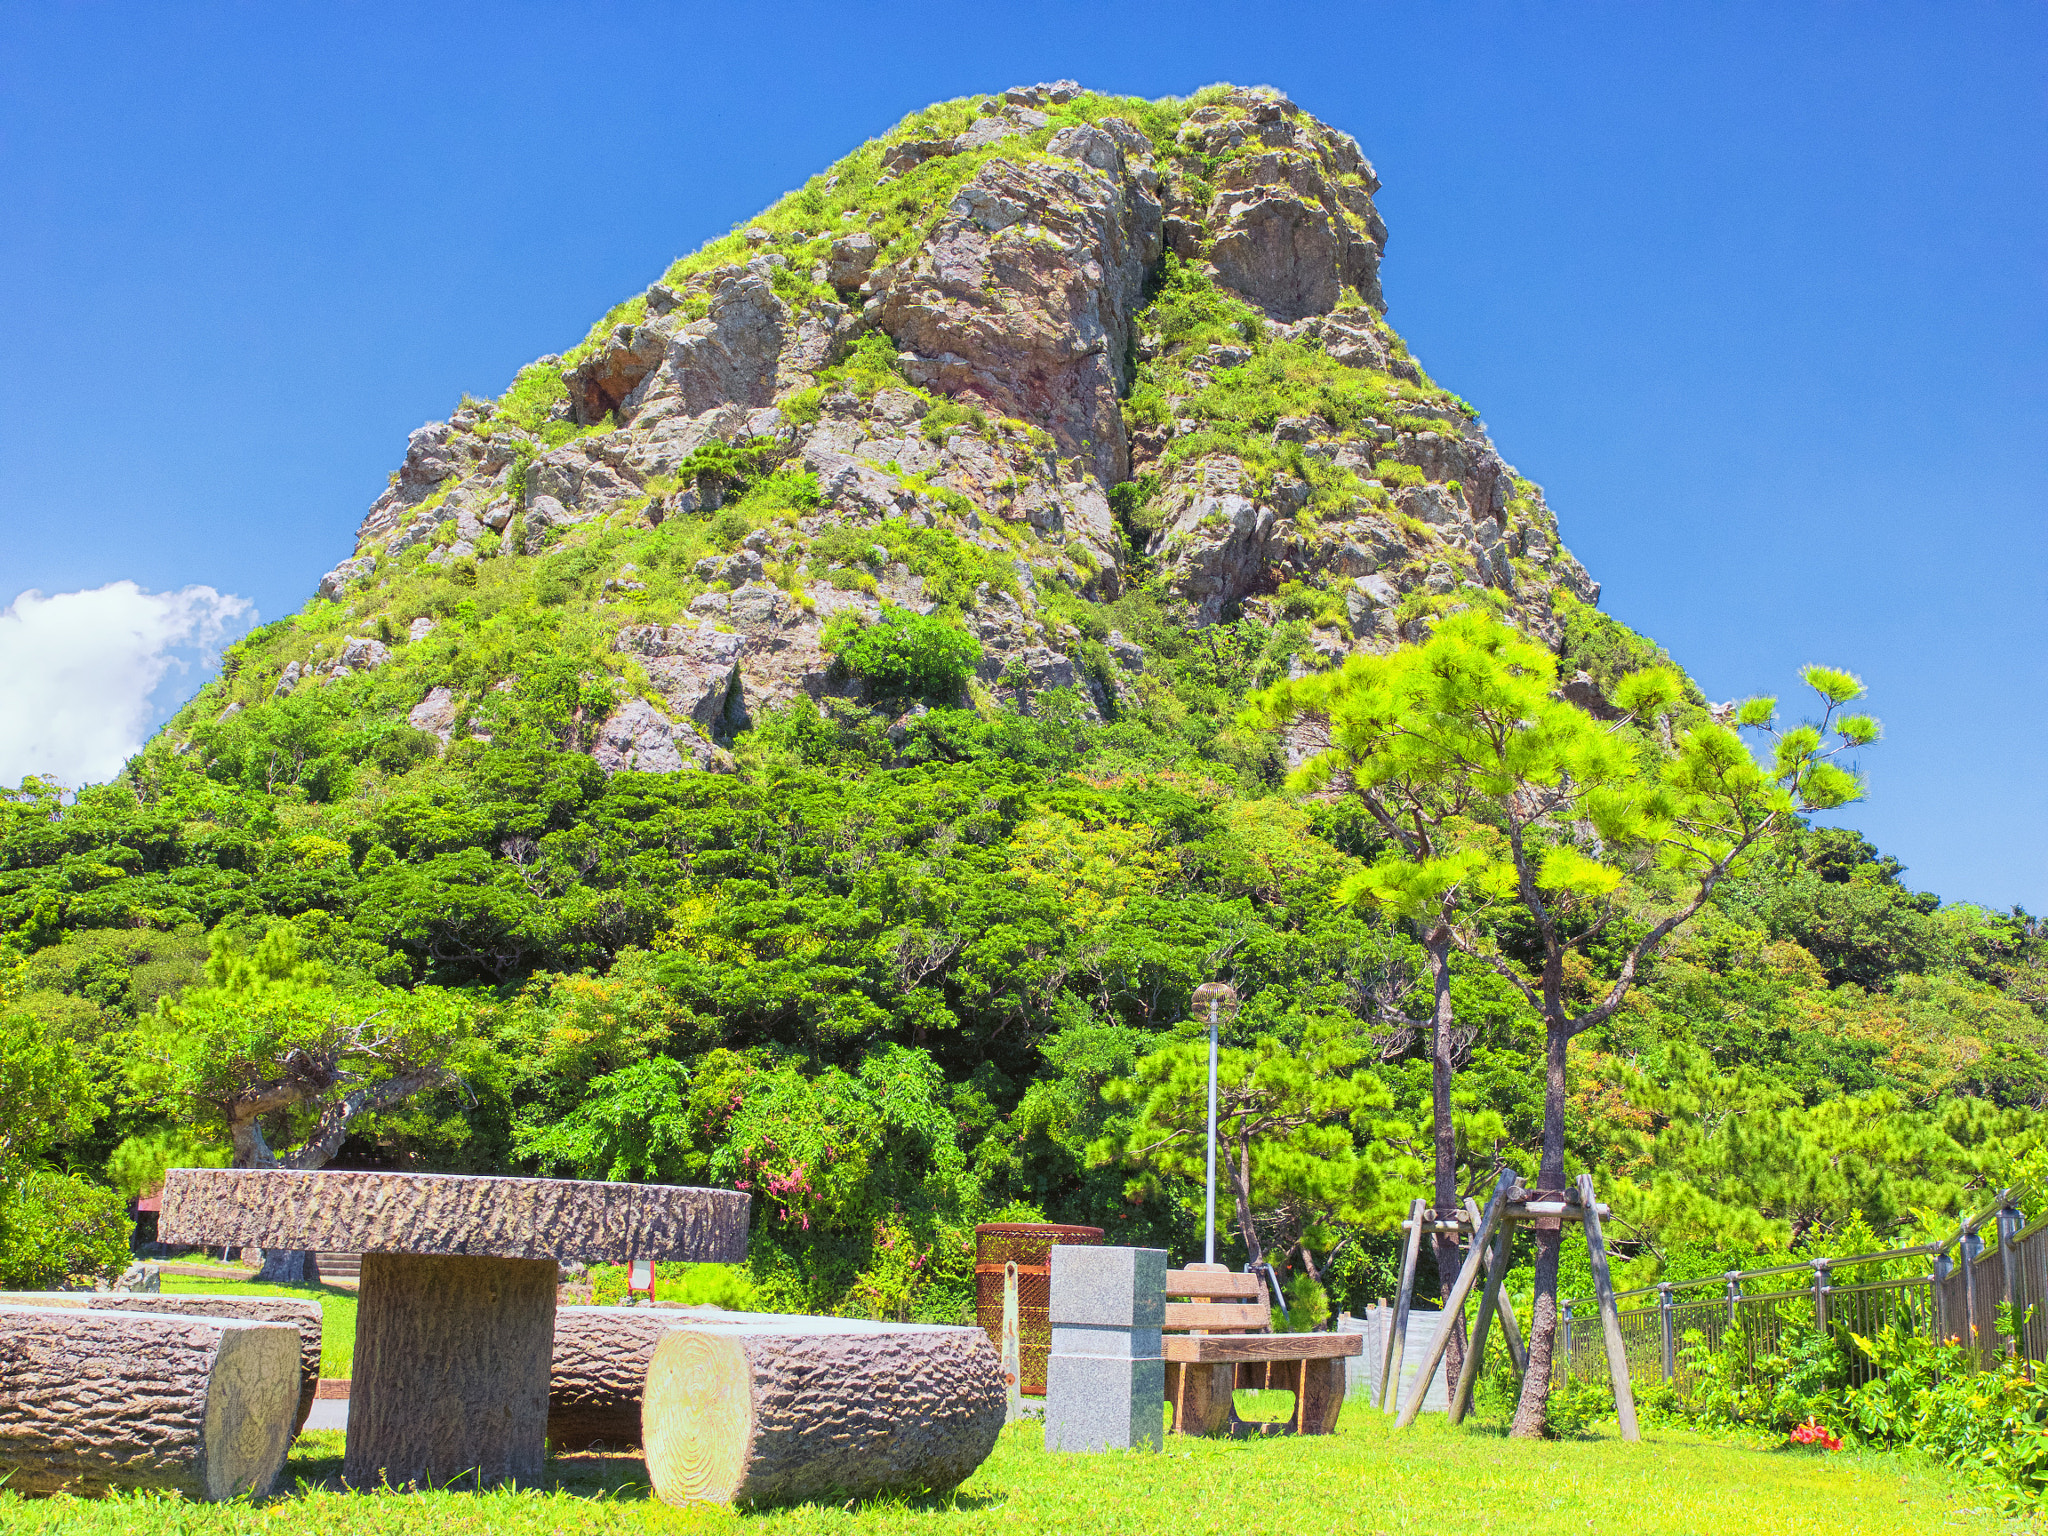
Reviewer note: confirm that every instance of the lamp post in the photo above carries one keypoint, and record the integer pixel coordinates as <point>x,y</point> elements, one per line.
<point>1217,996</point>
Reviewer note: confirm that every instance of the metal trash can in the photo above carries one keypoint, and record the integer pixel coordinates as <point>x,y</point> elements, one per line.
<point>1029,1245</point>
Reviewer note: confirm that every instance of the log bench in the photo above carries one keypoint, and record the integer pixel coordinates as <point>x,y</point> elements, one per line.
<point>97,1401</point>
<point>599,1372</point>
<point>292,1311</point>
<point>1219,1337</point>
<point>766,1409</point>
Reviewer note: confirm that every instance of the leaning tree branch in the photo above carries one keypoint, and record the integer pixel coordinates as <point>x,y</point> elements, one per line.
<point>332,1130</point>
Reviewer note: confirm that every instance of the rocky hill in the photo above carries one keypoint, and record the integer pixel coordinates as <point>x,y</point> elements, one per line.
<point>787,741</point>
<point>1058,370</point>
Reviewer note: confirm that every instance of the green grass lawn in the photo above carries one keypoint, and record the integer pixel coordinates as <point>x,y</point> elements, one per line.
<point>337,1312</point>
<point>1363,1481</point>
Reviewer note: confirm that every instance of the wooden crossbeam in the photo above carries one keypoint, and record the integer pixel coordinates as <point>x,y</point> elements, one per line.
<point>1212,1283</point>
<point>1214,1316</point>
<point>1513,1211</point>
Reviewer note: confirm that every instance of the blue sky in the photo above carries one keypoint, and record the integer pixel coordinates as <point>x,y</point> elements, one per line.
<point>1755,292</point>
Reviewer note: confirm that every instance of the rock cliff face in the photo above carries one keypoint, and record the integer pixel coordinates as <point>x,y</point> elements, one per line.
<point>1021,356</point>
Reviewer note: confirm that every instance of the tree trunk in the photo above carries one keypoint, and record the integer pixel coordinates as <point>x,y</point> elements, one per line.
<point>1450,1258</point>
<point>97,1402</point>
<point>288,1266</point>
<point>451,1371</point>
<point>1241,1196</point>
<point>798,1408</point>
<point>1530,1412</point>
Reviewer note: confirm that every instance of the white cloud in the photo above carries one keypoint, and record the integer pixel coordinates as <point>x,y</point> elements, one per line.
<point>79,673</point>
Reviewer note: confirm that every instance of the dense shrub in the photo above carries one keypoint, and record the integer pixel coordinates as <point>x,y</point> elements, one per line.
<point>904,652</point>
<point>57,1231</point>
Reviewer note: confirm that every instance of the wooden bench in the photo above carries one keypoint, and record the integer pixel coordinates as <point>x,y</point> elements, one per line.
<point>1220,1337</point>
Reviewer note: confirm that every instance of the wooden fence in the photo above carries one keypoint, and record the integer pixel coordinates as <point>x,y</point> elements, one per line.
<point>1953,1291</point>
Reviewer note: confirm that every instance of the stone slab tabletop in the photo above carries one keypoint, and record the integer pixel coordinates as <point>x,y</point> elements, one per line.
<point>451,1214</point>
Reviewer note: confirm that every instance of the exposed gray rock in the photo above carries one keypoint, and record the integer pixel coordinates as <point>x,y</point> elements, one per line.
<point>728,358</point>
<point>1437,505</point>
<point>911,153</point>
<point>338,580</point>
<point>420,628</point>
<point>1585,693</point>
<point>582,477</point>
<point>1090,145</point>
<point>1293,224</point>
<point>435,713</point>
<point>601,383</point>
<point>757,604</point>
<point>1367,600</point>
<point>360,656</point>
<point>637,736</point>
<point>1354,342</point>
<point>696,667</point>
<point>852,256</point>
<point>1373,543</point>
<point>987,131</point>
<point>1031,671</point>
<point>1022,299</point>
<point>1129,137</point>
<point>1215,544</point>
<point>545,512</point>
<point>433,454</point>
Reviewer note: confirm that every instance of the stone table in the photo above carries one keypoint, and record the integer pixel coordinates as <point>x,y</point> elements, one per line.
<point>455,1315</point>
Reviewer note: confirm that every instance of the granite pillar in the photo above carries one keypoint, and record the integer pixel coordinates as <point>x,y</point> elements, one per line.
<point>1105,1384</point>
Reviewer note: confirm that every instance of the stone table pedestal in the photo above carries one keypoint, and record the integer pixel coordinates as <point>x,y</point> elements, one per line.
<point>456,1313</point>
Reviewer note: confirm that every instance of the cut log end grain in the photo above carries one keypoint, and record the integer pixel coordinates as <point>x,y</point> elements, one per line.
<point>756,1414</point>
<point>93,1402</point>
<point>699,1418</point>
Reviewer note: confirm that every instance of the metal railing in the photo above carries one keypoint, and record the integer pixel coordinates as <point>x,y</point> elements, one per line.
<point>1951,1291</point>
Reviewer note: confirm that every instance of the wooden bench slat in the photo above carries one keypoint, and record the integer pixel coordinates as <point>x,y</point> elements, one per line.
<point>1210,1282</point>
<point>1206,1314</point>
<point>1211,1348</point>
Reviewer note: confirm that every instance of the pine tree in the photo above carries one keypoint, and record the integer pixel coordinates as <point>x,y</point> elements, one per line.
<point>1566,823</point>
